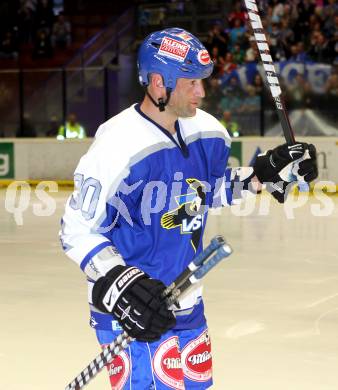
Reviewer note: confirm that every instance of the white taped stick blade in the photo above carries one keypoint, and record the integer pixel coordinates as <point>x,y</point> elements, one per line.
<point>275,91</point>
<point>266,57</point>
<point>260,37</point>
<point>251,4</point>
<point>263,46</point>
<point>273,80</point>
<point>255,20</point>
<point>269,68</point>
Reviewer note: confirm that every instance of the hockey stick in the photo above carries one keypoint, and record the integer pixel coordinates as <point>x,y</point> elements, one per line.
<point>195,270</point>
<point>269,68</point>
<point>272,79</point>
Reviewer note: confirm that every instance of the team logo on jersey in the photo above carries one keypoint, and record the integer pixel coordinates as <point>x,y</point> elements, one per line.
<point>92,322</point>
<point>119,370</point>
<point>167,364</point>
<point>196,359</point>
<point>189,215</point>
<point>203,57</point>
<point>173,49</point>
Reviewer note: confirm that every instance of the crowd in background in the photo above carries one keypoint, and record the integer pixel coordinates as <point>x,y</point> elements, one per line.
<point>34,24</point>
<point>301,31</point>
<point>298,31</point>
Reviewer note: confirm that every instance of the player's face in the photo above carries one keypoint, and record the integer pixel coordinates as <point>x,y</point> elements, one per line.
<point>186,97</point>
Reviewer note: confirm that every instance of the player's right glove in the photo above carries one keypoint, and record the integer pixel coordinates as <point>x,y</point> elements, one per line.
<point>135,300</point>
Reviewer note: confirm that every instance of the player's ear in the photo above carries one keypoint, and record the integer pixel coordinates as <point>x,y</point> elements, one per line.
<point>156,80</point>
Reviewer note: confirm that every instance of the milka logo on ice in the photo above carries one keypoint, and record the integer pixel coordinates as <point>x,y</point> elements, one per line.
<point>189,214</point>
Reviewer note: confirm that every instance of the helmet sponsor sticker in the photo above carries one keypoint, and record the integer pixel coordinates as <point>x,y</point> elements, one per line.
<point>167,364</point>
<point>119,370</point>
<point>196,359</point>
<point>203,57</point>
<point>173,49</point>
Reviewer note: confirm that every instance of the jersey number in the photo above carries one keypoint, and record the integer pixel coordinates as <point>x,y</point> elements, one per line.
<point>86,195</point>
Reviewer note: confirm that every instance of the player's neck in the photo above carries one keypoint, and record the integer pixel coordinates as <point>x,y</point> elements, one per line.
<point>165,118</point>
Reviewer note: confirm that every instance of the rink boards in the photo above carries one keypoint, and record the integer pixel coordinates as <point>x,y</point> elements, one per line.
<point>49,159</point>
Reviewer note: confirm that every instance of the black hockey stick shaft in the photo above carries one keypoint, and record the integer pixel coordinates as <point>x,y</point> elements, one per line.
<point>215,243</point>
<point>181,284</point>
<point>270,71</point>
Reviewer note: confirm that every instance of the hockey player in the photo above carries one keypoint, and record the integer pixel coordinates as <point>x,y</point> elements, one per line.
<point>139,209</point>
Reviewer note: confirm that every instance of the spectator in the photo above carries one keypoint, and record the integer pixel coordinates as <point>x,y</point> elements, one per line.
<point>25,24</point>
<point>230,125</point>
<point>61,35</point>
<point>232,95</point>
<point>73,129</point>
<point>286,36</point>
<point>320,50</point>
<point>237,33</point>
<point>229,64</point>
<point>217,38</point>
<point>31,4</point>
<point>258,84</point>
<point>330,10</point>
<point>297,53</point>
<point>267,20</point>
<point>42,47</point>
<point>44,15</point>
<point>305,9</point>
<point>277,9</point>
<point>218,62</point>
<point>251,102</point>
<point>252,53</point>
<point>238,54</point>
<point>331,87</point>
<point>8,46</point>
<point>332,28</point>
<point>236,14</point>
<point>275,42</point>
<point>319,3</point>
<point>299,92</point>
<point>290,13</point>
<point>214,96</point>
<point>316,28</point>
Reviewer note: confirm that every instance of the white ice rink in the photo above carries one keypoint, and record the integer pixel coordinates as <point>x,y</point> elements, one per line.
<point>272,308</point>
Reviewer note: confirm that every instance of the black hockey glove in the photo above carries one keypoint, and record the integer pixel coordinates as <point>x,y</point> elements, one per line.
<point>285,164</point>
<point>135,300</point>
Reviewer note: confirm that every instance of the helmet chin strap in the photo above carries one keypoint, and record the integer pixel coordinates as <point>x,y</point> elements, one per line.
<point>161,102</point>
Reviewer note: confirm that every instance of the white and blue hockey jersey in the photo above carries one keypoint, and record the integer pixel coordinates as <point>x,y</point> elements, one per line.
<point>141,198</point>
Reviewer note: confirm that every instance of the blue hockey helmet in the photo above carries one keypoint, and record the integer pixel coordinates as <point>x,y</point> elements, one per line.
<point>173,53</point>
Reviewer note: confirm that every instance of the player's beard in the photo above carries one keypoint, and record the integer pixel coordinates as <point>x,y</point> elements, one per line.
<point>185,110</point>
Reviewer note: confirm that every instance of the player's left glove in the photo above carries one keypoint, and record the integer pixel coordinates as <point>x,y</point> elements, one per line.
<point>134,299</point>
<point>279,167</point>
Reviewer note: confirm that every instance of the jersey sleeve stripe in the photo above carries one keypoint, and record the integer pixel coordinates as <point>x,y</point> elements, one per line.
<point>93,252</point>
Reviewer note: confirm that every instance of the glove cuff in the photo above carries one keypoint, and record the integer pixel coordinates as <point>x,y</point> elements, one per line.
<point>263,167</point>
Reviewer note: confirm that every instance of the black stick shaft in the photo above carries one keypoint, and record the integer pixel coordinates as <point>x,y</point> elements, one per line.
<point>270,72</point>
